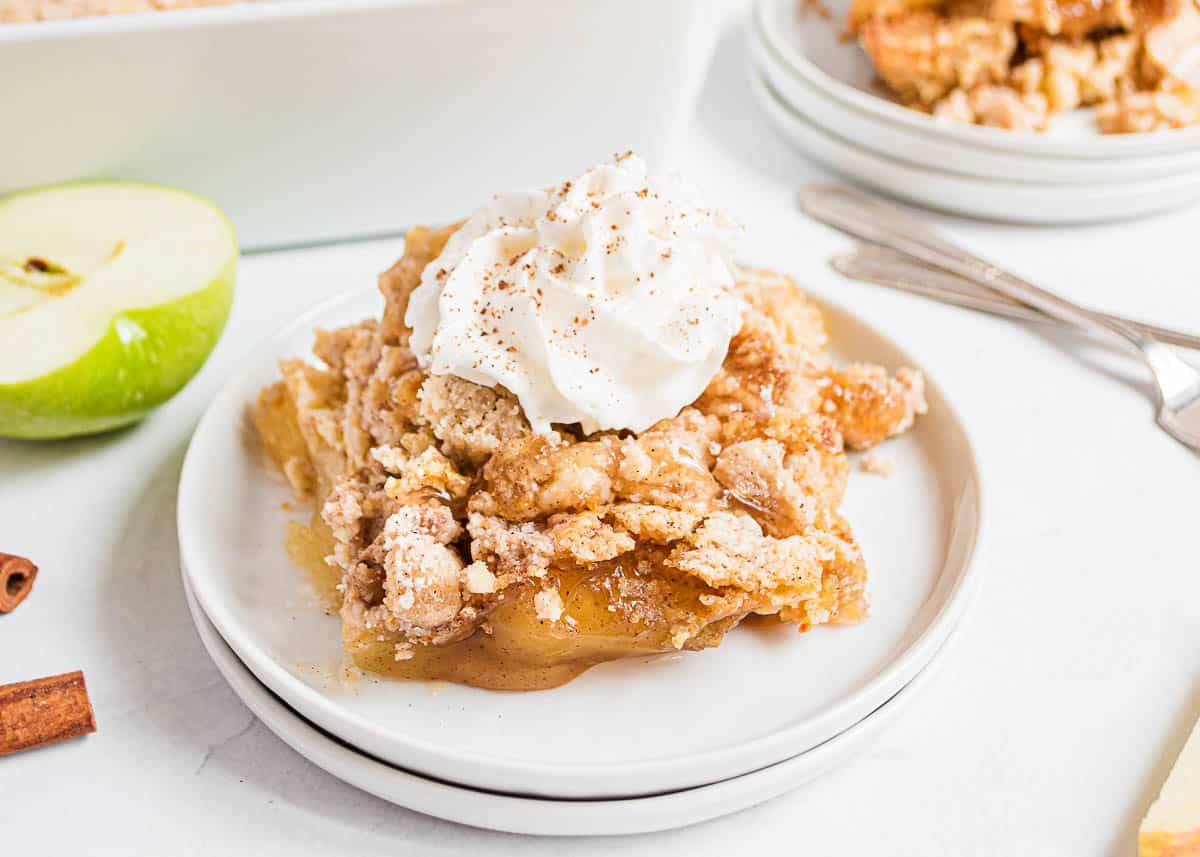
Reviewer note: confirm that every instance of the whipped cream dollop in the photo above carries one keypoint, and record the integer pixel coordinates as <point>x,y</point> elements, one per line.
<point>605,301</point>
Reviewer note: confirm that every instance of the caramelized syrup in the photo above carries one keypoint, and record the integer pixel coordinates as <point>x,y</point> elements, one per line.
<point>522,652</point>
<point>307,547</point>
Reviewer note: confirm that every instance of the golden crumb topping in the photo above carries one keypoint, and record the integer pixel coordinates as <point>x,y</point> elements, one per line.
<point>1014,64</point>
<point>27,11</point>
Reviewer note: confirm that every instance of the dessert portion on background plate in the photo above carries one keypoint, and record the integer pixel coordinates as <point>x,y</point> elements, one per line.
<point>578,433</point>
<point>1013,64</point>
<point>28,11</point>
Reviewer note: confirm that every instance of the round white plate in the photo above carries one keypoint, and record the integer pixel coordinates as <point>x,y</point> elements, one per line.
<point>812,47</point>
<point>628,728</point>
<point>537,816</point>
<point>974,197</point>
<point>944,153</point>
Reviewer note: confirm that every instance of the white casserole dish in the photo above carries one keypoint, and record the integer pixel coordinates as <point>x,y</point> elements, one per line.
<point>312,120</point>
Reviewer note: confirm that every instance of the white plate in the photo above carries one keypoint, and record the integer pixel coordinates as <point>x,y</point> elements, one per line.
<point>622,729</point>
<point>811,46</point>
<point>944,153</point>
<point>974,197</point>
<point>530,815</point>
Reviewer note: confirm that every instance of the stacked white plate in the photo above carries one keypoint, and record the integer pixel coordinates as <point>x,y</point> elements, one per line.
<point>631,746</point>
<point>821,92</point>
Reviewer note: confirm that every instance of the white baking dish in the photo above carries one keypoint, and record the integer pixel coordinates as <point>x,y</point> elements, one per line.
<point>313,120</point>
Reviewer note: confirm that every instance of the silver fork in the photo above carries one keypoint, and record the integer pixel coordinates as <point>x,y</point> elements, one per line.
<point>871,263</point>
<point>870,219</point>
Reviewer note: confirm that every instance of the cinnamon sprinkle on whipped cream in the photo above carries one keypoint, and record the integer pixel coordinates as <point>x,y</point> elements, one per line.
<point>606,300</point>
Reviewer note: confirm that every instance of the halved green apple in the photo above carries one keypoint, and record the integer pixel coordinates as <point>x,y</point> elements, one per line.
<point>112,296</point>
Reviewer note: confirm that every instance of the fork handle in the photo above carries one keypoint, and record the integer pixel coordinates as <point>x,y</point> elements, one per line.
<point>871,263</point>
<point>870,219</point>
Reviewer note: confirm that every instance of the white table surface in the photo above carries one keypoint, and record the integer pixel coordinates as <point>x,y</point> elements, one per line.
<point>1066,694</point>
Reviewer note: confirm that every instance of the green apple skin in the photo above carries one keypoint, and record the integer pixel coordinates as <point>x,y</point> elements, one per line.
<point>117,383</point>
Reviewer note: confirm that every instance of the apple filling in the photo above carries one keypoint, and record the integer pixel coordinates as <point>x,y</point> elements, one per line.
<point>611,610</point>
<point>456,543</point>
<point>520,647</point>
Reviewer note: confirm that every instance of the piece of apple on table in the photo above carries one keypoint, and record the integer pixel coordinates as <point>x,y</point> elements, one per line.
<point>112,296</point>
<point>1171,828</point>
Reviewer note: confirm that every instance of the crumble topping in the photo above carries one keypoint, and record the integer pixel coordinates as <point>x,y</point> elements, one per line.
<point>1013,64</point>
<point>878,465</point>
<point>443,503</point>
<point>471,421</point>
<point>549,605</point>
<point>924,55</point>
<point>27,11</point>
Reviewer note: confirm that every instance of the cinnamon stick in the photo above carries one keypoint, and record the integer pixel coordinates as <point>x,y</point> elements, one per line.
<point>43,711</point>
<point>16,580</point>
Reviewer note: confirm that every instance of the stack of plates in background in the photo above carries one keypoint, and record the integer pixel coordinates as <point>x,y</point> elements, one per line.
<point>820,91</point>
<point>631,746</point>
